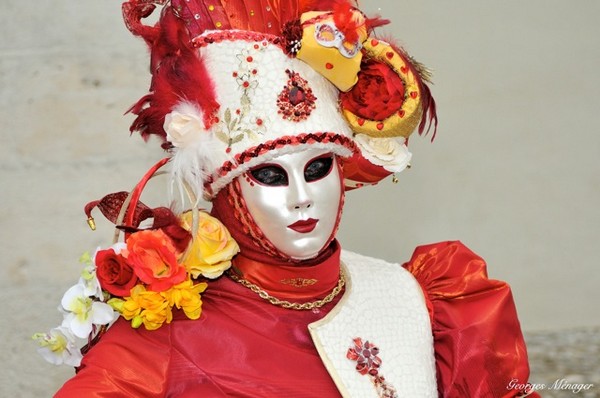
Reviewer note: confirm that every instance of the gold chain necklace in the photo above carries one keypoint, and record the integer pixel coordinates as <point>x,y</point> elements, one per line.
<point>288,304</point>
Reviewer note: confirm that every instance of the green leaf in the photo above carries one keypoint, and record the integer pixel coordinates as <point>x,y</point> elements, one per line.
<point>222,137</point>
<point>232,124</point>
<point>245,100</point>
<point>237,138</point>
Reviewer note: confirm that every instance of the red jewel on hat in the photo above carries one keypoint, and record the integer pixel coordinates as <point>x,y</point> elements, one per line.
<point>297,95</point>
<point>296,101</point>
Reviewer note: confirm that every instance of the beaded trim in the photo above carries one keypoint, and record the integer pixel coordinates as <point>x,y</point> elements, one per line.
<point>235,35</point>
<point>262,148</point>
<point>310,138</point>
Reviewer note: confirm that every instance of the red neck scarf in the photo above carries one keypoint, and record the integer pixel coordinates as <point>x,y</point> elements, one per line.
<point>293,282</point>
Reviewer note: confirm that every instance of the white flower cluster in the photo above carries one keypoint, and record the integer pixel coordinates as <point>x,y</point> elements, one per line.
<point>83,309</point>
<point>389,153</point>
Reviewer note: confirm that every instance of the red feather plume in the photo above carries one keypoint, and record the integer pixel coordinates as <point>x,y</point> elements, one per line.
<point>178,74</point>
<point>345,20</point>
<point>376,22</point>
<point>342,14</point>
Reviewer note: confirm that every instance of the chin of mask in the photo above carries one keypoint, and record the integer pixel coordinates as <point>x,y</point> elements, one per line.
<point>295,200</point>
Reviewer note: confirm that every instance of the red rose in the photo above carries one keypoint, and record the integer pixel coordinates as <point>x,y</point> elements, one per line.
<point>378,94</point>
<point>114,273</point>
<point>153,258</point>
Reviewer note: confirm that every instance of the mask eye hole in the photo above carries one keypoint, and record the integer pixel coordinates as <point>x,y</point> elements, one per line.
<point>326,35</point>
<point>270,175</point>
<point>318,168</point>
<point>349,49</point>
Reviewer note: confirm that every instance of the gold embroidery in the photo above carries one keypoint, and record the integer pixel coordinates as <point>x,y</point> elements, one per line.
<point>299,282</point>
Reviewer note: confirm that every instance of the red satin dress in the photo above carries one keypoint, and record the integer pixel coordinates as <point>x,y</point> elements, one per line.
<point>244,346</point>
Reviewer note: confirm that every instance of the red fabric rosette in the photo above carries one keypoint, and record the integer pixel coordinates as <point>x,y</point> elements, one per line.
<point>377,95</point>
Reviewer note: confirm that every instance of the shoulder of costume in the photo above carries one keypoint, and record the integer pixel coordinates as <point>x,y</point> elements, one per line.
<point>474,322</point>
<point>445,271</point>
<point>449,269</point>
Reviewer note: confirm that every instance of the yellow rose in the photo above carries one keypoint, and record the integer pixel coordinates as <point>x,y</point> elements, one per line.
<point>212,247</point>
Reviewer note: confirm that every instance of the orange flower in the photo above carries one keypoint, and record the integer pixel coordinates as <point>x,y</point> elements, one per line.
<point>212,247</point>
<point>152,256</point>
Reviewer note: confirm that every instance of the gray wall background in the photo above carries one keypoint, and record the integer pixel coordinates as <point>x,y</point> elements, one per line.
<point>513,172</point>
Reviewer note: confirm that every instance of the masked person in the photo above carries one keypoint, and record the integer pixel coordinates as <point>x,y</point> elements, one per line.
<point>272,110</point>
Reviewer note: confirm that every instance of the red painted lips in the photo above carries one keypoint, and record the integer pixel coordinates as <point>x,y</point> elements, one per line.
<point>304,226</point>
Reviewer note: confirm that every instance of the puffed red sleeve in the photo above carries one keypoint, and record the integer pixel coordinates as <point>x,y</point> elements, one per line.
<point>125,363</point>
<point>479,347</point>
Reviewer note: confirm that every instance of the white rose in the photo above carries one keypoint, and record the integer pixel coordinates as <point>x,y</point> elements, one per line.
<point>390,153</point>
<point>183,126</point>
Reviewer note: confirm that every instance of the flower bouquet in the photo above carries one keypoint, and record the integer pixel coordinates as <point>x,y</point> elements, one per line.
<point>144,279</point>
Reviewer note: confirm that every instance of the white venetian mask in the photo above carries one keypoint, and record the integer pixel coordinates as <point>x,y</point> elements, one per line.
<point>295,200</point>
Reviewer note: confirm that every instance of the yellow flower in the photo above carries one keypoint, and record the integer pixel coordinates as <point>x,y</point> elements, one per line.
<point>144,307</point>
<point>154,319</point>
<point>186,296</point>
<point>212,248</point>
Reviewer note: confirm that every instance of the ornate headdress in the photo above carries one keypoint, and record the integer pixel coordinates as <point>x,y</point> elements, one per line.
<point>236,83</point>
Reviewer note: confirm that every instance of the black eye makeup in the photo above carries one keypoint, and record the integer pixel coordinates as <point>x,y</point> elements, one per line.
<point>270,175</point>
<point>318,168</point>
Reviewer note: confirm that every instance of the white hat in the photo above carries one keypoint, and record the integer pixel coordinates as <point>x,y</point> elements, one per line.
<point>237,83</point>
